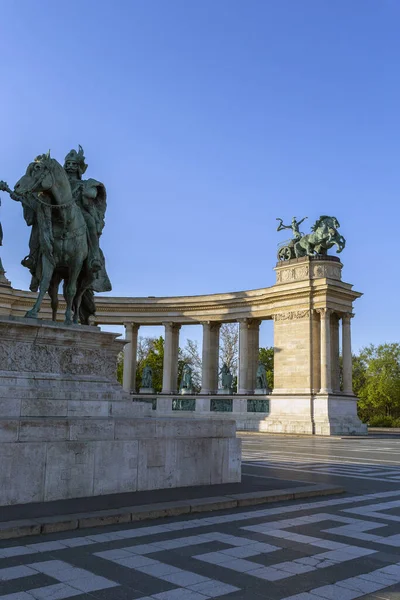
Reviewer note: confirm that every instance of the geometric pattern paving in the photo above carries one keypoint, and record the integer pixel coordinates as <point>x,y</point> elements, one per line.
<point>342,548</point>
<point>343,468</point>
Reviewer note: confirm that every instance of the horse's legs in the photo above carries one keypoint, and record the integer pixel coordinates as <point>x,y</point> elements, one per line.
<point>53,293</point>
<point>47,273</point>
<point>70,290</point>
<point>298,250</point>
<point>77,305</point>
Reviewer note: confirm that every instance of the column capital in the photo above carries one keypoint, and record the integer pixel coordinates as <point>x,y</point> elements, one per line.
<point>249,322</point>
<point>132,325</point>
<point>324,312</point>
<point>213,325</point>
<point>347,316</point>
<point>172,326</point>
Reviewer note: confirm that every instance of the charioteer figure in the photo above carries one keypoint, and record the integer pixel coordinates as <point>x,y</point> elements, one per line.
<point>294,226</point>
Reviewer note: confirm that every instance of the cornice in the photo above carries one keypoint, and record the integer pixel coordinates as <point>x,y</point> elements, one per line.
<point>262,303</point>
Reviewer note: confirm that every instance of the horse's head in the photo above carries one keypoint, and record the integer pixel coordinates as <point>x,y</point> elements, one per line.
<point>41,175</point>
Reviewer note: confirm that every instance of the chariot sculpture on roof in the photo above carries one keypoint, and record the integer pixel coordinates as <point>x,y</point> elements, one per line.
<point>324,235</point>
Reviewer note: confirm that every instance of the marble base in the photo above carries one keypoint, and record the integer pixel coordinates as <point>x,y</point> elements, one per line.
<point>53,459</point>
<point>319,414</point>
<point>262,391</point>
<point>225,392</point>
<point>186,392</point>
<point>146,391</point>
<point>68,430</point>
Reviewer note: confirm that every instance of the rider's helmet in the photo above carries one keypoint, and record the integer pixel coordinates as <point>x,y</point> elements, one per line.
<point>76,160</point>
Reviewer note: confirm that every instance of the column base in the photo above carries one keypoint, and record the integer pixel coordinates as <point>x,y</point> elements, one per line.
<point>336,414</point>
<point>320,414</point>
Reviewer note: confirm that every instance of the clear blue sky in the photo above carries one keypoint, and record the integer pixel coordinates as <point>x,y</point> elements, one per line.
<point>206,120</point>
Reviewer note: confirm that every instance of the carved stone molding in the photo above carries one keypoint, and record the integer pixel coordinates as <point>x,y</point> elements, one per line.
<point>311,271</point>
<point>56,351</point>
<point>291,315</point>
<point>327,270</point>
<point>292,274</point>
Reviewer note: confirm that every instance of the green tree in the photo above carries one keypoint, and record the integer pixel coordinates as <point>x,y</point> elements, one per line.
<point>120,367</point>
<point>266,357</point>
<point>377,381</point>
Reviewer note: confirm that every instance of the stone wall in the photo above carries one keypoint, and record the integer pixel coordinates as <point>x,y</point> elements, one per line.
<point>51,459</point>
<point>68,430</point>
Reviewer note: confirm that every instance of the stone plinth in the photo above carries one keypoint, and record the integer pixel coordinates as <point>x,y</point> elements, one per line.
<point>68,430</point>
<point>186,392</point>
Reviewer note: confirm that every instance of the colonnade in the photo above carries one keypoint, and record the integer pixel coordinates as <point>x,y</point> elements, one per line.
<point>325,359</point>
<point>249,331</point>
<point>329,352</point>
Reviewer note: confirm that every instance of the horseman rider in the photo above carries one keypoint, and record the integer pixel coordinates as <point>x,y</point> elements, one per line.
<point>90,195</point>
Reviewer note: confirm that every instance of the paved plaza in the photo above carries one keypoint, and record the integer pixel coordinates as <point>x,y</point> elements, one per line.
<point>338,547</point>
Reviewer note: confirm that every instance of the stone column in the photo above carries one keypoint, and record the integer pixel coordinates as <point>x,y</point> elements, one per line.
<point>249,332</point>
<point>254,345</point>
<point>130,352</point>
<point>326,380</point>
<point>346,353</point>
<point>170,366</point>
<point>210,357</point>
<point>335,370</point>
<point>243,356</point>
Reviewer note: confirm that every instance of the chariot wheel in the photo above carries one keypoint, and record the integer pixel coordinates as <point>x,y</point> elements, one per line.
<point>284,253</point>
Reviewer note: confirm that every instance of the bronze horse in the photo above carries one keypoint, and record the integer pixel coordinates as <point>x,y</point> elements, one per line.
<point>62,234</point>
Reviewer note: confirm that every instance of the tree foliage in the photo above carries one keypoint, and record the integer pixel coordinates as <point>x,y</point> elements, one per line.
<point>190,355</point>
<point>266,357</point>
<point>376,379</point>
<point>229,346</point>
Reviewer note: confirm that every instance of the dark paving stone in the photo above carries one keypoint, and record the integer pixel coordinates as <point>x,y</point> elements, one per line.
<point>82,505</point>
<point>25,583</point>
<point>118,593</point>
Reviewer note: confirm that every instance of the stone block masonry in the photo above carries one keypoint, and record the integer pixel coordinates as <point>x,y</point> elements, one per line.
<point>68,430</point>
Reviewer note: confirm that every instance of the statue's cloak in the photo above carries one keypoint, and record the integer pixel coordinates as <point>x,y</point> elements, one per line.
<point>101,282</point>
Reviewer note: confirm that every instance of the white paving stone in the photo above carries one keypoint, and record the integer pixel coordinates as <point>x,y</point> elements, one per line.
<point>185,578</point>
<point>16,572</point>
<point>180,594</point>
<point>213,589</point>
<point>135,561</point>
<point>47,546</point>
<point>54,592</point>
<point>92,583</point>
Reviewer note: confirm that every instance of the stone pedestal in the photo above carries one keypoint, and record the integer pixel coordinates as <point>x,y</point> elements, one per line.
<point>261,391</point>
<point>68,430</point>
<point>186,392</point>
<point>225,391</point>
<point>146,391</point>
<point>307,397</point>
